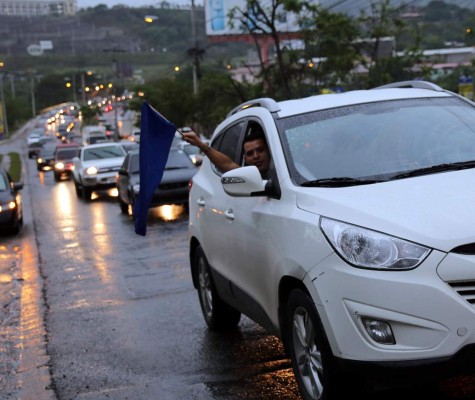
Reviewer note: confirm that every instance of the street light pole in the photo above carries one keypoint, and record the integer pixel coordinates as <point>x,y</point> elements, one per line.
<point>33,101</point>
<point>4,108</point>
<point>195,49</point>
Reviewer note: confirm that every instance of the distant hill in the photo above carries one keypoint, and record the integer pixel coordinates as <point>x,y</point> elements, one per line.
<point>102,37</point>
<point>353,7</point>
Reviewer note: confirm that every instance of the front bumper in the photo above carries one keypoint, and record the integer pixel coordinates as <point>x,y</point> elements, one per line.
<point>100,181</point>
<point>429,318</point>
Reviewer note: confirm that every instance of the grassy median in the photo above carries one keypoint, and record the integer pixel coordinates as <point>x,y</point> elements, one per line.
<point>15,165</point>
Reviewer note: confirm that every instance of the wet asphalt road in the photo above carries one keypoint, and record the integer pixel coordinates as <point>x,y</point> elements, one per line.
<point>92,311</point>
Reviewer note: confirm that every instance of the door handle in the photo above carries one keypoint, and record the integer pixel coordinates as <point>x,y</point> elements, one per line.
<point>229,214</point>
<point>201,202</point>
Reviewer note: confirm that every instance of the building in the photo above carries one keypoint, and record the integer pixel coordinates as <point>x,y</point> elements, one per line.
<point>36,8</point>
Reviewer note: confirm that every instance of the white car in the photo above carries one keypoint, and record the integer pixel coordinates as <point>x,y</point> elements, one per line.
<point>35,135</point>
<point>358,251</point>
<point>96,168</point>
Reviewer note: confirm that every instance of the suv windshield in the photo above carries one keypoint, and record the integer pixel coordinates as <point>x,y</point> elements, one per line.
<point>378,141</point>
<point>103,152</point>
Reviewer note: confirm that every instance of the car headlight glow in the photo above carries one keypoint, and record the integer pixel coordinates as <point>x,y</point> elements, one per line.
<point>91,171</point>
<point>366,248</point>
<point>59,165</point>
<point>8,206</point>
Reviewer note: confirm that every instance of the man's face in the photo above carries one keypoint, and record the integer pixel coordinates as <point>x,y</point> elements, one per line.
<point>256,153</point>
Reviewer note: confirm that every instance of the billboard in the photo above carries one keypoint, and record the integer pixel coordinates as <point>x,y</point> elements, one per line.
<point>217,20</point>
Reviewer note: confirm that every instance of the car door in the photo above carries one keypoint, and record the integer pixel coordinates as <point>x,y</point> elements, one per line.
<point>123,179</point>
<point>211,200</point>
<point>250,250</point>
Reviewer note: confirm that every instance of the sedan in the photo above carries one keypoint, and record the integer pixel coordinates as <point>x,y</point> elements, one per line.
<point>63,160</point>
<point>11,212</point>
<point>173,189</point>
<point>45,158</point>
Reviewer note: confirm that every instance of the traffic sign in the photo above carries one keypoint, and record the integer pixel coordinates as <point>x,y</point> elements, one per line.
<point>34,50</point>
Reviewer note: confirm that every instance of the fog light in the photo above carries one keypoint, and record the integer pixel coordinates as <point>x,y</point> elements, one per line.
<point>379,331</point>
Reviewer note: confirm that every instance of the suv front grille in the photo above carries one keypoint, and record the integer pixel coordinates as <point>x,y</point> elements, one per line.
<point>465,249</point>
<point>174,185</point>
<point>465,289</point>
<point>104,170</point>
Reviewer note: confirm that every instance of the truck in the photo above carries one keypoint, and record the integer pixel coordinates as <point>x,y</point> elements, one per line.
<point>92,134</point>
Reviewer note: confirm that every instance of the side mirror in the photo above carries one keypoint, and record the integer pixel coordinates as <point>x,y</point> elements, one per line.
<point>244,182</point>
<point>16,186</point>
<point>75,160</point>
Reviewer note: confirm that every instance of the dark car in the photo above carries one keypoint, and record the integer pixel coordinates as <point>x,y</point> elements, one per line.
<point>45,158</point>
<point>173,189</point>
<point>63,160</point>
<point>11,212</point>
<point>35,147</point>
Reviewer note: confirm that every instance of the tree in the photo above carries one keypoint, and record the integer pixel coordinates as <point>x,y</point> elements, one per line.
<point>384,67</point>
<point>261,22</point>
<point>332,40</point>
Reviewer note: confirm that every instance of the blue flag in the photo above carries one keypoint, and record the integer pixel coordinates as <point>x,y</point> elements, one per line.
<point>156,137</point>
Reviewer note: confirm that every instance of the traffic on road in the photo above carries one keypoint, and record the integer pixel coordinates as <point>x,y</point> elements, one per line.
<point>92,310</point>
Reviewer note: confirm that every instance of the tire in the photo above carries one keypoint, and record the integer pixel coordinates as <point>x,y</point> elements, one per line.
<point>124,207</point>
<point>78,190</point>
<point>219,316</point>
<point>313,362</point>
<point>86,193</point>
<point>57,177</point>
<point>17,224</point>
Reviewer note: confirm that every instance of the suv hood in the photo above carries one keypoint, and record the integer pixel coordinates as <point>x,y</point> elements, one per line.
<point>435,210</point>
<point>104,162</point>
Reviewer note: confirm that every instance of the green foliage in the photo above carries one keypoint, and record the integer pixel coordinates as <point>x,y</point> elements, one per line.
<point>52,89</point>
<point>18,110</point>
<point>333,39</point>
<point>90,113</point>
<point>15,166</point>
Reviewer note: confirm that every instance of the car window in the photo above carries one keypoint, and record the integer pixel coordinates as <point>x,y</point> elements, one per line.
<point>66,154</point>
<point>379,140</point>
<point>103,152</point>
<point>134,164</point>
<point>178,160</point>
<point>228,142</point>
<point>4,184</point>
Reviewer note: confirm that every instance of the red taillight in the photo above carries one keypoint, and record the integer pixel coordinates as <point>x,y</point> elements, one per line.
<point>190,184</point>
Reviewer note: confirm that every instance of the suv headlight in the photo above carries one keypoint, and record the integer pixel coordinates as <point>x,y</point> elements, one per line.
<point>366,248</point>
<point>91,171</point>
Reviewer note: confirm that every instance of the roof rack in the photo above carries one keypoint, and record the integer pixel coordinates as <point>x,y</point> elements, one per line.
<point>412,84</point>
<point>267,103</point>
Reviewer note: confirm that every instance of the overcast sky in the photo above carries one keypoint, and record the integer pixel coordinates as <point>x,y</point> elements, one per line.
<point>130,3</point>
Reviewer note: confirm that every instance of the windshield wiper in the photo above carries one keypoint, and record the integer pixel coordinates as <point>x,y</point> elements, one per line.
<point>339,182</point>
<point>435,169</point>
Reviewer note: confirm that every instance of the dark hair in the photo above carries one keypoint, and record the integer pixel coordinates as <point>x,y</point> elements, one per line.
<point>254,132</point>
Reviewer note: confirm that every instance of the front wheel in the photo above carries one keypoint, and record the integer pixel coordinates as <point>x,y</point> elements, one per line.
<point>124,207</point>
<point>217,313</point>
<point>78,189</point>
<point>312,359</point>
<point>86,193</point>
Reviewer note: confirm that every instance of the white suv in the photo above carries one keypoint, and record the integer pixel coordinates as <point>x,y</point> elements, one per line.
<point>96,167</point>
<point>359,250</point>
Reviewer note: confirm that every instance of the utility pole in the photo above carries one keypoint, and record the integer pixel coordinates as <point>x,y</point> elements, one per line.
<point>83,88</point>
<point>33,100</point>
<point>4,109</point>
<point>195,49</point>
